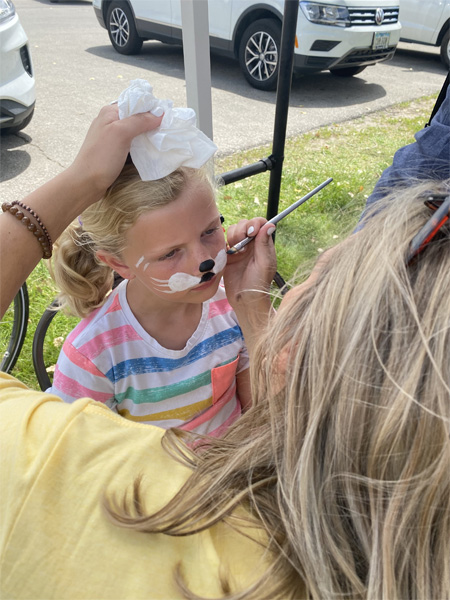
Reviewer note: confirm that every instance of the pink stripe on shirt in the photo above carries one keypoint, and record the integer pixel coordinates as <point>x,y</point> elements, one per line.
<point>85,322</point>
<point>75,390</point>
<point>115,305</point>
<point>221,307</point>
<point>80,360</point>
<point>81,326</point>
<point>109,339</point>
<point>219,431</point>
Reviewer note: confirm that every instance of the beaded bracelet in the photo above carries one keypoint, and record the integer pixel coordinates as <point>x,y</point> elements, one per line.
<point>33,223</point>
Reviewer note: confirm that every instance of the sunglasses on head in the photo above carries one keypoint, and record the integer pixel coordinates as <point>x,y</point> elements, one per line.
<point>440,205</point>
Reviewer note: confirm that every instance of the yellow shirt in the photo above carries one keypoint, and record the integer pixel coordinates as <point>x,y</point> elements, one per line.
<point>57,460</point>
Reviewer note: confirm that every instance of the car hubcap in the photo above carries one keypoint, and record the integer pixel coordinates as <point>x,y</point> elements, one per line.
<point>261,56</point>
<point>119,27</point>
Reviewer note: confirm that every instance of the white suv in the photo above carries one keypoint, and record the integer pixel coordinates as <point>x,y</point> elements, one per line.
<point>17,85</point>
<point>427,23</point>
<point>344,36</point>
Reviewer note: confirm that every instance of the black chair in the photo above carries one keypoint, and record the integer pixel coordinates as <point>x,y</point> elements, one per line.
<point>21,310</point>
<point>38,345</point>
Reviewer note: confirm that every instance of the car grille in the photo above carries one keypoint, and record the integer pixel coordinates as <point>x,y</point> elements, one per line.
<point>366,16</point>
<point>367,55</point>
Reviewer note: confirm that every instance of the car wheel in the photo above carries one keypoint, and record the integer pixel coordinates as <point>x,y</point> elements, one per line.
<point>259,53</point>
<point>122,29</point>
<point>445,49</point>
<point>19,127</point>
<point>347,71</point>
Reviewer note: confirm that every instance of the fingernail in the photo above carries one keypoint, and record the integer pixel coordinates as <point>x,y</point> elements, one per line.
<point>270,230</point>
<point>114,102</point>
<point>250,230</point>
<point>157,112</point>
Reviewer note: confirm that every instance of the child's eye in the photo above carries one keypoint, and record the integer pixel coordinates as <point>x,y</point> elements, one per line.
<point>211,231</point>
<point>170,254</point>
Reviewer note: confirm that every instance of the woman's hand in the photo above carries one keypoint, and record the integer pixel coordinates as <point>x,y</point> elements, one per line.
<point>106,146</point>
<point>248,276</point>
<point>252,269</point>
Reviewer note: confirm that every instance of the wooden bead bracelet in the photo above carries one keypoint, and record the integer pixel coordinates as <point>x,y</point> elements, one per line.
<point>33,223</point>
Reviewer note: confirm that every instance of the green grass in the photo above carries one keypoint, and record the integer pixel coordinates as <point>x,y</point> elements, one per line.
<point>354,153</point>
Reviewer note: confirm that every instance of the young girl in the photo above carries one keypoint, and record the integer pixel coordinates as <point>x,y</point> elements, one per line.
<point>165,346</point>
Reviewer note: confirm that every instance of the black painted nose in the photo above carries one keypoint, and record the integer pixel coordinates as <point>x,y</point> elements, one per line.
<point>206,265</point>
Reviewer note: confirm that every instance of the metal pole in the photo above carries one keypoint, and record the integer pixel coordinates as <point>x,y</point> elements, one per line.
<point>282,103</point>
<point>197,67</point>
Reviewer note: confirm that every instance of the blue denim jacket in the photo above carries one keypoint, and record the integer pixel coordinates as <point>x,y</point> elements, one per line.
<point>426,158</point>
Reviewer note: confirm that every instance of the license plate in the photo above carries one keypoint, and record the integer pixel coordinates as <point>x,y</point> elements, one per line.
<point>380,40</point>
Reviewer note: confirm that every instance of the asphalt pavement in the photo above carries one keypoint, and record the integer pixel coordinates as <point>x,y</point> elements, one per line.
<point>77,71</point>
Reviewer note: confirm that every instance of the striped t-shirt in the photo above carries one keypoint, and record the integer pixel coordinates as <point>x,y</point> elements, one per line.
<point>109,357</point>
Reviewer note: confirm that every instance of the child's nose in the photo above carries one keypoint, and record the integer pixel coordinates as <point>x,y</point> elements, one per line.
<point>206,265</point>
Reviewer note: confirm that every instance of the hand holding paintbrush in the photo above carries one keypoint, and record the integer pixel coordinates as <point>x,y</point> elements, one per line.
<point>281,215</point>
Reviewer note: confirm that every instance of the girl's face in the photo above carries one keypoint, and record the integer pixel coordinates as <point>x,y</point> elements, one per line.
<point>178,252</point>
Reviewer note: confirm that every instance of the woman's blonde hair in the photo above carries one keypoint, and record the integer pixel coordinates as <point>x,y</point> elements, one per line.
<point>83,280</point>
<point>347,464</point>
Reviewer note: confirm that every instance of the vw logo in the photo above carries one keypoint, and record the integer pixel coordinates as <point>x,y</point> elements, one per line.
<point>379,16</point>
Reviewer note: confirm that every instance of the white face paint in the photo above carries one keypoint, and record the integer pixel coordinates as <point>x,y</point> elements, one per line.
<point>221,261</point>
<point>179,282</point>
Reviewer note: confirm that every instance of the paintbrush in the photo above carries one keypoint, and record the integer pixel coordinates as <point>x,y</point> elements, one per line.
<point>281,215</point>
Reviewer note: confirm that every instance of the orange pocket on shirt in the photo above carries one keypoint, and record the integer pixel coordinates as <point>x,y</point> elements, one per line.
<point>223,378</point>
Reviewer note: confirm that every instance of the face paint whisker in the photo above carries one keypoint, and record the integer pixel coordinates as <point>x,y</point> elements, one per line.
<point>166,281</point>
<point>167,291</point>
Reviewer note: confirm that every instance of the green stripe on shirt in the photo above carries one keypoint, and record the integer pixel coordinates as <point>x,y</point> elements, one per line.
<point>168,391</point>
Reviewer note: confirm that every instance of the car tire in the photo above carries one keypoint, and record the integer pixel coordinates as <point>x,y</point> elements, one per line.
<point>19,127</point>
<point>259,53</point>
<point>445,49</point>
<point>347,71</point>
<point>122,29</point>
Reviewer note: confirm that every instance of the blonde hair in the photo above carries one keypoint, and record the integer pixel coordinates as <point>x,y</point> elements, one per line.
<point>83,279</point>
<point>347,465</point>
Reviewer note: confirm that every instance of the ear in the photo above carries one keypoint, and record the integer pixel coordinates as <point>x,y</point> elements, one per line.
<point>115,264</point>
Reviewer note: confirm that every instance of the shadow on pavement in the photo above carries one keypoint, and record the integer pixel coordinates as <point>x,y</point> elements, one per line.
<point>167,60</point>
<point>13,160</point>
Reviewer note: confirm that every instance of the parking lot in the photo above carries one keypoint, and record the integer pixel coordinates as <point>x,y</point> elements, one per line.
<point>77,71</point>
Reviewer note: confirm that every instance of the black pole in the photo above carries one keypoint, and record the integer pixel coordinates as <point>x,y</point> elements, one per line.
<point>282,103</point>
